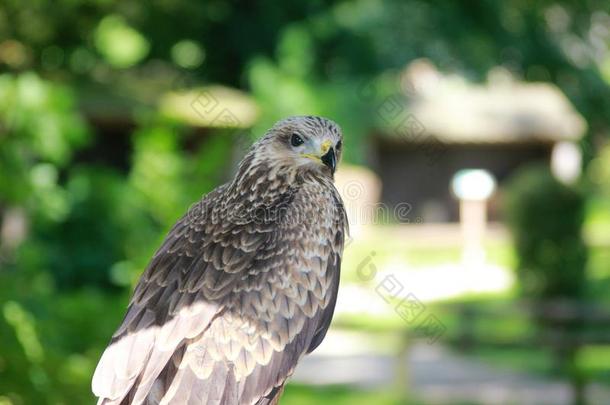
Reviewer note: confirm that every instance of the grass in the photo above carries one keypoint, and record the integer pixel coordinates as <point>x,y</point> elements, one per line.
<point>537,360</point>
<point>296,394</point>
<point>378,251</point>
<point>367,323</point>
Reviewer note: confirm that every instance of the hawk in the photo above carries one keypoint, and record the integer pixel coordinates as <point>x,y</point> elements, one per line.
<point>243,286</point>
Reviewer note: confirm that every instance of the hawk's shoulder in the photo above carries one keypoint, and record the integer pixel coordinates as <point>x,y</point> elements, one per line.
<point>239,290</point>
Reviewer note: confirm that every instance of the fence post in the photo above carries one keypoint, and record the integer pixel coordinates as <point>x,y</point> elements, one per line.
<point>466,324</point>
<point>401,372</point>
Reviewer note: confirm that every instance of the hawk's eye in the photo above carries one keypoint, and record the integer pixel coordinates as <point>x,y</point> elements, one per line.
<point>296,140</point>
<point>339,145</point>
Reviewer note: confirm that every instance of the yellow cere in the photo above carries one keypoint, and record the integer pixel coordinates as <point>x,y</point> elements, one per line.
<point>325,147</point>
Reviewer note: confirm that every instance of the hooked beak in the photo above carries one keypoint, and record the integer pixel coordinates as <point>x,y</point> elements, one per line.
<point>329,159</point>
<point>326,157</point>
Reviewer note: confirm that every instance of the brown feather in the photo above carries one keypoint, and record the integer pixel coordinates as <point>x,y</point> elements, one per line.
<point>241,288</point>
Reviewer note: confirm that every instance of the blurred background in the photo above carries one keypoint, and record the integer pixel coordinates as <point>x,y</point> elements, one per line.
<point>476,177</point>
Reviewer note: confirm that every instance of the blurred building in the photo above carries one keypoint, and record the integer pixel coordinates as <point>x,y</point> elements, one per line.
<point>115,112</point>
<point>442,124</point>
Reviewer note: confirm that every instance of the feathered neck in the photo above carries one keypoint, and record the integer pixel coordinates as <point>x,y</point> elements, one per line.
<point>258,175</point>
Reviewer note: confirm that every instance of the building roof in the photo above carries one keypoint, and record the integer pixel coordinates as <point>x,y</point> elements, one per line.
<point>501,111</point>
<point>210,106</point>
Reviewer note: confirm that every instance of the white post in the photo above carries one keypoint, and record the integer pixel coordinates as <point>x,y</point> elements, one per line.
<point>473,187</point>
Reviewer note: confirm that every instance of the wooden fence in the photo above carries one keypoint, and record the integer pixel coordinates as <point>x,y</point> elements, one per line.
<point>561,327</point>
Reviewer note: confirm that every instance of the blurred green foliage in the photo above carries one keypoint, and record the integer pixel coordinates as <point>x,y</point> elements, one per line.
<point>303,395</point>
<point>90,230</point>
<point>546,219</point>
<point>599,177</point>
<point>42,128</point>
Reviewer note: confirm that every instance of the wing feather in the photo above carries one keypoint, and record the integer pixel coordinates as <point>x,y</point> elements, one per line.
<point>225,310</point>
<point>290,316</point>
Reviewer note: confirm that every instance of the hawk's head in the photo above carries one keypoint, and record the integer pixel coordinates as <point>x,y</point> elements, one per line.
<point>305,142</point>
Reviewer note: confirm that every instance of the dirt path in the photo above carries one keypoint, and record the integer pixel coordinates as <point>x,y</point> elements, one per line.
<point>438,376</point>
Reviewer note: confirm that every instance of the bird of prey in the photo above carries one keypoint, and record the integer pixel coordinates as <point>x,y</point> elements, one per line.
<point>243,286</point>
